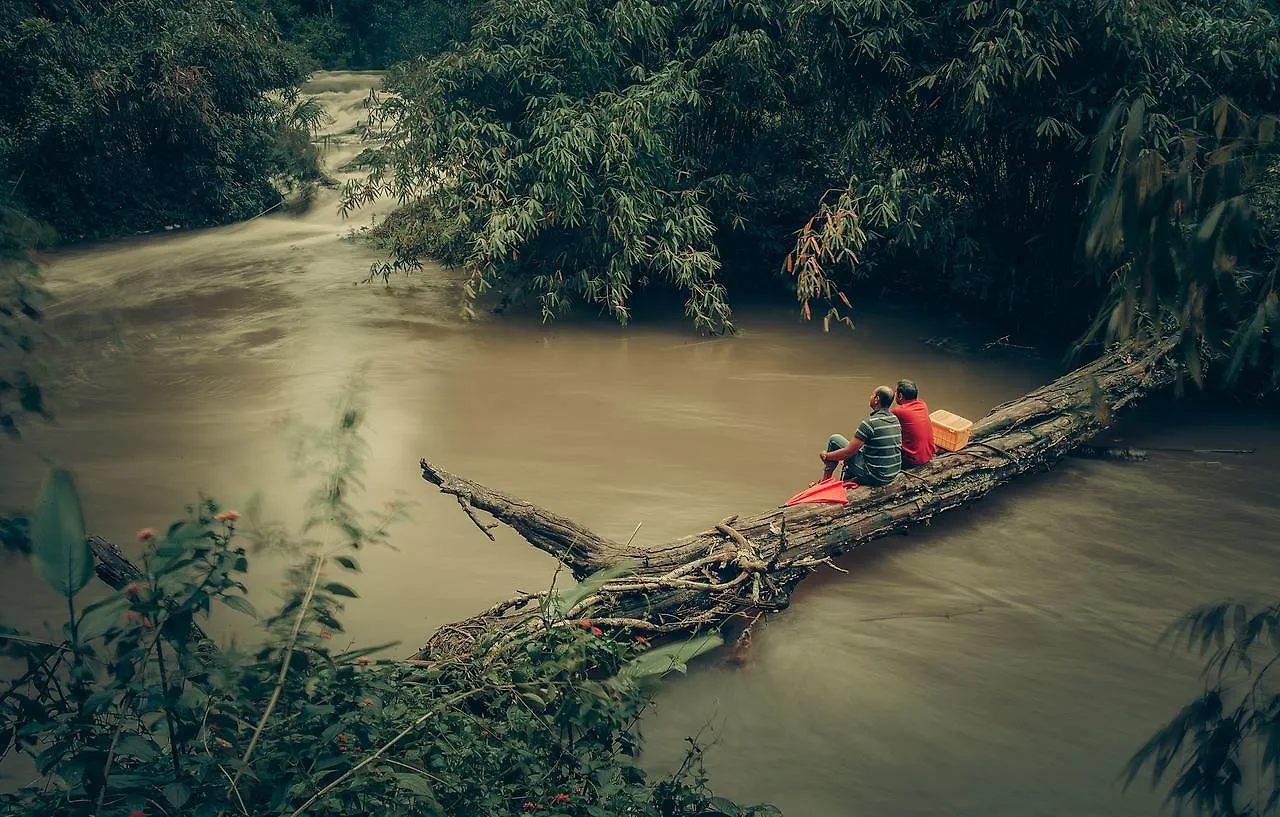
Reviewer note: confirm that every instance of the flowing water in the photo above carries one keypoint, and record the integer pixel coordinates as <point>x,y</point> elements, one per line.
<point>999,662</point>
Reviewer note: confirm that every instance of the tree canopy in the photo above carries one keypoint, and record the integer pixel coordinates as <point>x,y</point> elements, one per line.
<point>578,151</point>
<point>126,115</point>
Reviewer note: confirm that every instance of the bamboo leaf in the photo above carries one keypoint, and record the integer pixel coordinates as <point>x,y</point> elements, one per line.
<point>347,562</point>
<point>662,660</point>
<point>59,546</point>
<point>338,589</point>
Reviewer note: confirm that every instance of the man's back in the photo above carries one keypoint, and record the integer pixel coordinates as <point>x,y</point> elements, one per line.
<point>917,432</point>
<point>881,436</point>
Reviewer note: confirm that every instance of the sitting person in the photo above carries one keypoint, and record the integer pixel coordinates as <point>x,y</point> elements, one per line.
<point>874,456</point>
<point>917,428</point>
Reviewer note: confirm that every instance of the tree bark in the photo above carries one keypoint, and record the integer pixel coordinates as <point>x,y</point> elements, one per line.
<point>738,568</point>
<point>116,571</point>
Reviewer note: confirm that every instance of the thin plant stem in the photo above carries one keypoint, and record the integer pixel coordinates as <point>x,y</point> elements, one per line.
<point>168,715</point>
<point>115,738</point>
<point>71,619</point>
<point>284,668</point>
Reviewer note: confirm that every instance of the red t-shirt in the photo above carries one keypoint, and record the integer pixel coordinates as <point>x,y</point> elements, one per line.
<point>917,432</point>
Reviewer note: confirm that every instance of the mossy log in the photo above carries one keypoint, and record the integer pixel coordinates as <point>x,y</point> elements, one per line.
<point>749,564</point>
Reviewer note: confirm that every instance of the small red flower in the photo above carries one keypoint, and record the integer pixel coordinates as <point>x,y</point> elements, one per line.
<point>597,631</point>
<point>148,624</point>
<point>584,624</point>
<point>484,733</point>
<point>134,588</point>
<point>225,744</point>
<point>227,516</point>
<point>342,738</point>
<point>144,535</point>
<point>362,660</point>
<point>529,806</point>
<point>131,617</point>
<point>325,633</point>
<point>641,640</point>
<point>561,798</point>
<point>137,813</point>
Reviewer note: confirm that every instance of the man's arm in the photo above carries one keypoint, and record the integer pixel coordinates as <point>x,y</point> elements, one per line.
<point>843,453</point>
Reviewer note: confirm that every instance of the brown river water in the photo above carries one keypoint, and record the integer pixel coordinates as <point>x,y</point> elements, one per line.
<point>179,360</point>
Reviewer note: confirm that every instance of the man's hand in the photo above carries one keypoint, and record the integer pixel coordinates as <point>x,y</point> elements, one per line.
<point>822,456</point>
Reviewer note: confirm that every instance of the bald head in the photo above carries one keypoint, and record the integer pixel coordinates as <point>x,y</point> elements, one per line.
<point>884,395</point>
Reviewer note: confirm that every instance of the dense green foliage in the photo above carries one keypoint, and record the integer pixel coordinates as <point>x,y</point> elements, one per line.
<point>1192,238</point>
<point>577,151</point>
<point>21,297</point>
<point>1220,755</point>
<point>125,115</point>
<point>134,710</point>
<point>362,34</point>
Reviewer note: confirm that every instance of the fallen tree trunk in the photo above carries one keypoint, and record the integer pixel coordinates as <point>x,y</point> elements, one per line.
<point>116,571</point>
<point>739,568</point>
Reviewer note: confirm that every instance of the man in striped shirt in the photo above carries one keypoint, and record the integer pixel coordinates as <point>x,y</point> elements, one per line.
<point>874,456</point>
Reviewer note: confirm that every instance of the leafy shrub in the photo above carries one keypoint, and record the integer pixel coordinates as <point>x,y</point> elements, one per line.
<point>128,115</point>
<point>1220,755</point>
<point>136,711</point>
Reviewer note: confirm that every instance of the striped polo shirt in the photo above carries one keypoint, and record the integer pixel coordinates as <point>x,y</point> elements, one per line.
<point>881,436</point>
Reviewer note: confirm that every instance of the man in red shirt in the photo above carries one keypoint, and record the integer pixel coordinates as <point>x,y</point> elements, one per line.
<point>917,428</point>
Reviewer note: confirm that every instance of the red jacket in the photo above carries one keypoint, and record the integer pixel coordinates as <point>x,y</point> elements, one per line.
<point>917,432</point>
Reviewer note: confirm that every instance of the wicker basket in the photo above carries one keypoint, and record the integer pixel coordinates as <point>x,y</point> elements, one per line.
<point>951,432</point>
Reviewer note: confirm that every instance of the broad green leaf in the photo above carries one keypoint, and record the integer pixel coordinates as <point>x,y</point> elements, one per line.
<point>59,546</point>
<point>559,604</point>
<point>415,783</point>
<point>101,617</point>
<point>661,660</point>
<point>177,794</point>
<point>134,745</point>
<point>239,604</point>
<point>420,786</point>
<point>100,701</point>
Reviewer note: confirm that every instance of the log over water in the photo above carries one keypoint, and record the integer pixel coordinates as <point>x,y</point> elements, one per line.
<point>743,566</point>
<point>739,569</point>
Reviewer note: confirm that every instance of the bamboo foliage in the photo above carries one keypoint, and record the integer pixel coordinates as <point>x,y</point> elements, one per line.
<point>568,152</point>
<point>968,127</point>
<point>578,152</point>
<point>1189,251</point>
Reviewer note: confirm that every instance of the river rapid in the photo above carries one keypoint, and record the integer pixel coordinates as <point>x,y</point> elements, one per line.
<point>999,662</point>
